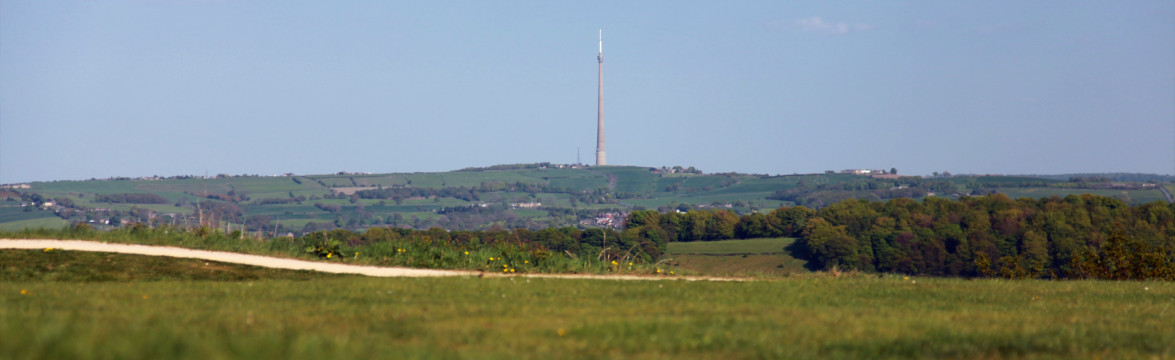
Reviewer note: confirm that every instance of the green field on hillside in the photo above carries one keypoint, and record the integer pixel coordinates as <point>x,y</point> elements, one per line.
<point>582,192</point>
<point>750,257</point>
<point>36,223</point>
<point>727,247</point>
<point>295,316</point>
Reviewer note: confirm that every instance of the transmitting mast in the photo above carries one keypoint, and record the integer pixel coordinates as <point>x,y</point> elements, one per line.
<point>600,106</point>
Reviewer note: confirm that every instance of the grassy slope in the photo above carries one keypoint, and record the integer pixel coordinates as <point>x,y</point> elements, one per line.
<point>753,257</point>
<point>37,223</point>
<point>800,317</point>
<point>58,265</point>
<point>653,190</point>
<point>749,246</point>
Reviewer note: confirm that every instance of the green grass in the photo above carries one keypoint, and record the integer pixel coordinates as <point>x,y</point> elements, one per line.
<point>18,213</point>
<point>492,257</point>
<point>631,179</point>
<point>727,247</point>
<point>99,187</point>
<point>59,265</point>
<point>751,257</point>
<point>37,223</point>
<point>775,265</point>
<point>802,317</point>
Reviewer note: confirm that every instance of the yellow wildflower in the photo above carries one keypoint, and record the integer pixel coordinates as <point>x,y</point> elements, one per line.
<point>511,270</point>
<point>526,261</point>
<point>561,332</point>
<point>658,271</point>
<point>466,253</point>
<point>614,262</point>
<point>630,264</point>
<point>48,249</point>
<point>24,292</point>
<point>328,255</point>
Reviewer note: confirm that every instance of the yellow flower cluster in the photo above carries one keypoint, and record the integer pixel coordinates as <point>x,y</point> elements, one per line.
<point>48,249</point>
<point>401,250</point>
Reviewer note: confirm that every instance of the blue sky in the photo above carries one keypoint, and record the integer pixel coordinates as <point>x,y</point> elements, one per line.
<point>93,89</point>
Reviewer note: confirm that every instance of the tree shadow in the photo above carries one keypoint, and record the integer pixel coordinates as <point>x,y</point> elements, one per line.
<point>798,251</point>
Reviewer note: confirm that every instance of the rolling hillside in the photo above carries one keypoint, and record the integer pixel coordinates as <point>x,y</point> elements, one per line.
<point>510,196</point>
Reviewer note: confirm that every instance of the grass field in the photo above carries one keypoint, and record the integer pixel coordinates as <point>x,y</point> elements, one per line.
<point>751,257</point>
<point>36,223</point>
<point>727,247</point>
<point>299,316</point>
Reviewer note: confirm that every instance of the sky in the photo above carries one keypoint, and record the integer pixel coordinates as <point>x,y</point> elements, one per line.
<point>96,89</point>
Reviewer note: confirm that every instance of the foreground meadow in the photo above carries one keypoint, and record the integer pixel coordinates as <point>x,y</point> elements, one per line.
<point>273,315</point>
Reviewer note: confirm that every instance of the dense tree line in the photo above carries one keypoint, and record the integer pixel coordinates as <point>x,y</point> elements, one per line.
<point>991,235</point>
<point>708,225</point>
<point>1079,236</point>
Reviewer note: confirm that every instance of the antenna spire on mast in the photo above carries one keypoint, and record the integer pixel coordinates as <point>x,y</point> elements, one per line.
<point>600,158</point>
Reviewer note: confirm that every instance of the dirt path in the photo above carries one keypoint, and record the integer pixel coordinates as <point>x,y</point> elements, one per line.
<point>294,264</point>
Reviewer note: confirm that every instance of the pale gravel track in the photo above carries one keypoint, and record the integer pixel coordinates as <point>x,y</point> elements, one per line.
<point>294,264</point>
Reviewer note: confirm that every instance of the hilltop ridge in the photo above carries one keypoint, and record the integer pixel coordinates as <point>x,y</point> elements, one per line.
<point>534,196</point>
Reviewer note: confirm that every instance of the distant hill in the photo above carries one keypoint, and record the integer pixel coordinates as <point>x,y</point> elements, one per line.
<point>508,196</point>
<point>1123,177</point>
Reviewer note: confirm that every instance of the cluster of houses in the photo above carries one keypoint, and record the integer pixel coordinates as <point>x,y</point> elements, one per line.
<point>675,170</point>
<point>880,174</point>
<point>863,172</point>
<point>613,220</point>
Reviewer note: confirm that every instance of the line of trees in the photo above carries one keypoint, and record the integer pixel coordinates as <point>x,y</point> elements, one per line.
<point>141,198</point>
<point>1079,236</point>
<point>591,243</point>
<point>709,225</point>
<point>1073,237</point>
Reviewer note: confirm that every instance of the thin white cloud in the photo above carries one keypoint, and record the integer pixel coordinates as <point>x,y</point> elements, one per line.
<point>817,24</point>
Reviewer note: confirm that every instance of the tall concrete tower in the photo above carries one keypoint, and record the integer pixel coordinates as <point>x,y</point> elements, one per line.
<point>600,107</point>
